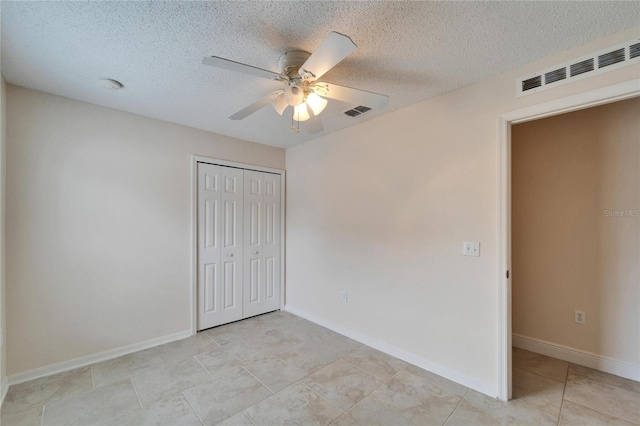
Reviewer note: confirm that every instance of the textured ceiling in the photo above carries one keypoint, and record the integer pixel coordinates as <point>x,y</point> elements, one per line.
<point>410,51</point>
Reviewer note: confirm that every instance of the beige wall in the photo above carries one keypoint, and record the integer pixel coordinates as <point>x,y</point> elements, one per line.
<point>382,209</point>
<point>567,253</point>
<point>3,204</point>
<point>98,213</point>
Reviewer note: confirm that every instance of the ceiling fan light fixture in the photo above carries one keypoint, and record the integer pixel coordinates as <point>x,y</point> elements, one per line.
<point>294,95</point>
<point>316,103</point>
<point>300,112</point>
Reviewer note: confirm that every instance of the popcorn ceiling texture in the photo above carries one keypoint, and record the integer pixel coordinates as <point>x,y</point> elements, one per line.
<point>410,51</point>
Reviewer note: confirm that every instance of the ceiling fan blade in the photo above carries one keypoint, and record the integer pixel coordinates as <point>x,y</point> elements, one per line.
<point>331,51</point>
<point>214,61</point>
<point>278,102</point>
<point>252,108</point>
<point>350,95</point>
<point>313,125</point>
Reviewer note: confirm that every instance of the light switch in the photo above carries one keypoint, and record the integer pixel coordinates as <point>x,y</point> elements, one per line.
<point>471,249</point>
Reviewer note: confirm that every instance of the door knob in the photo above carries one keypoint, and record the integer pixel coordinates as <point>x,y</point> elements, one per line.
<point>255,252</point>
<point>230,254</point>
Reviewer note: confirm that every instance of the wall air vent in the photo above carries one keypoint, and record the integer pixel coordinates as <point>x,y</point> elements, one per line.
<point>531,83</point>
<point>555,75</point>
<point>581,67</point>
<point>610,59</point>
<point>359,110</point>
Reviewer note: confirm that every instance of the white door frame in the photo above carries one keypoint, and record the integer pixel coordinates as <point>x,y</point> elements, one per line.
<point>617,92</point>
<point>195,159</point>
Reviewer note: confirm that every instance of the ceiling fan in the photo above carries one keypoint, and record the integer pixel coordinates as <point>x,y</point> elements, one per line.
<point>300,72</point>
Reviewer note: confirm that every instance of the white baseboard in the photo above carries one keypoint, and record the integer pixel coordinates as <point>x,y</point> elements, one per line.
<point>93,358</point>
<point>4,386</point>
<point>455,376</point>
<point>576,356</point>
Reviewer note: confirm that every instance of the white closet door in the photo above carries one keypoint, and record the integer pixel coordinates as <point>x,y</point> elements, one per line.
<point>261,242</point>
<point>231,274</point>
<point>209,227</point>
<point>220,205</point>
<point>271,245</point>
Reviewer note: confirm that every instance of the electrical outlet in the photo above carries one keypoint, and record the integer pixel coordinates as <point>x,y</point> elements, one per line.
<point>471,249</point>
<point>343,296</point>
<point>581,317</point>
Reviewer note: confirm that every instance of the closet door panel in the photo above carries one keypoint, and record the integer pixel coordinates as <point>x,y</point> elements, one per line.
<point>262,243</point>
<point>271,246</point>
<point>209,226</point>
<point>253,241</point>
<point>231,242</point>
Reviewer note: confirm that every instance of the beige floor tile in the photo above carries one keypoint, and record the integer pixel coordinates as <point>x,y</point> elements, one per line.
<point>274,337</point>
<point>342,384</point>
<point>478,409</point>
<point>540,364</point>
<point>226,396</point>
<point>541,392</point>
<point>449,385</point>
<point>239,419</point>
<point>603,397</point>
<point>577,415</point>
<point>418,400</point>
<point>177,351</point>
<point>219,362</point>
<point>35,393</point>
<point>370,413</point>
<point>174,411</point>
<point>233,332</point>
<point>600,376</point>
<point>280,370</point>
<point>303,329</point>
<point>374,362</point>
<point>325,348</point>
<point>295,405</point>
<point>164,382</point>
<point>94,407</point>
<point>121,368</point>
<point>246,353</point>
<point>31,417</point>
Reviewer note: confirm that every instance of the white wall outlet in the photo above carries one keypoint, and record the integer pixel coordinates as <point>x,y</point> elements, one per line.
<point>471,249</point>
<point>581,317</point>
<point>343,296</point>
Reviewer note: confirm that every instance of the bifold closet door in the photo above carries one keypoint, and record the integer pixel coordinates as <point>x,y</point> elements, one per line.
<point>261,243</point>
<point>220,226</point>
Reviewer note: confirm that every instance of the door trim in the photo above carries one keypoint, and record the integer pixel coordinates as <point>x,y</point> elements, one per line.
<point>195,159</point>
<point>604,95</point>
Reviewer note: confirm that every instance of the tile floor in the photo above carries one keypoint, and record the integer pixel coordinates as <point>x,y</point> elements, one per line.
<point>279,369</point>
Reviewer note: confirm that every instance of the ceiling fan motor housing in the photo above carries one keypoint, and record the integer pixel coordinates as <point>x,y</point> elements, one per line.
<point>291,61</point>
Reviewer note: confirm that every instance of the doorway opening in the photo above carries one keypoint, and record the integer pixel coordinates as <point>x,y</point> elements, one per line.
<point>594,98</point>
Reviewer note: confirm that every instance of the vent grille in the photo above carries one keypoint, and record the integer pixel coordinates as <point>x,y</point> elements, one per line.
<point>556,75</point>
<point>611,58</point>
<point>531,83</point>
<point>359,110</point>
<point>582,67</point>
<point>605,60</point>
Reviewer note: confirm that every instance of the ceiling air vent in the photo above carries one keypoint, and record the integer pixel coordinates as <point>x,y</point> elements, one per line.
<point>582,67</point>
<point>605,60</point>
<point>611,58</point>
<point>359,110</point>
